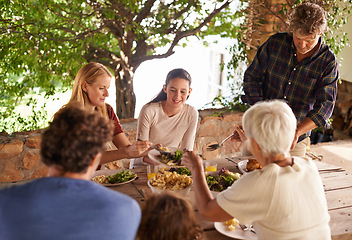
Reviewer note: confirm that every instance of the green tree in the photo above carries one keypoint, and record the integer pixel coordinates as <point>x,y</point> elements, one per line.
<point>47,41</point>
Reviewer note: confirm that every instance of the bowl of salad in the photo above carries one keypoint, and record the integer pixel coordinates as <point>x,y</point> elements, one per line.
<point>220,180</point>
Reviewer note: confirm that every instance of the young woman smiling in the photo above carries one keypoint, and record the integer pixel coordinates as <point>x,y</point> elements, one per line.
<point>167,119</point>
<point>91,89</point>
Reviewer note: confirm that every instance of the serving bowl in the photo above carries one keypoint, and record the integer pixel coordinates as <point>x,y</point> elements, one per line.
<point>182,192</point>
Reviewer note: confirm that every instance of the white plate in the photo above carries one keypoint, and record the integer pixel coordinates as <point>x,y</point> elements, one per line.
<point>108,172</point>
<point>237,233</point>
<point>154,156</point>
<point>242,166</point>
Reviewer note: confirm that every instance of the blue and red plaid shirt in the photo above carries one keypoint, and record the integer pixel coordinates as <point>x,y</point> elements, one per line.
<point>309,87</point>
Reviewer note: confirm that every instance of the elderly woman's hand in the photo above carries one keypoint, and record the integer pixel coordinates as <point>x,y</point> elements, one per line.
<point>192,161</point>
<point>239,135</point>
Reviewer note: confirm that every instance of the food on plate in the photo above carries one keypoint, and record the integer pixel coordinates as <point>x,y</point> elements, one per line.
<point>172,159</point>
<point>181,171</point>
<point>119,177</point>
<point>253,164</point>
<point>222,180</point>
<point>100,179</point>
<point>231,224</point>
<point>170,180</point>
<point>165,149</point>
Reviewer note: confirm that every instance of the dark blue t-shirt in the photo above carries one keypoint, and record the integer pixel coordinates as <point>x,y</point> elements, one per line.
<point>65,208</point>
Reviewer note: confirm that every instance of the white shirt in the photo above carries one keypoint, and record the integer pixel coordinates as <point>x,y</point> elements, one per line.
<point>176,131</point>
<point>281,202</point>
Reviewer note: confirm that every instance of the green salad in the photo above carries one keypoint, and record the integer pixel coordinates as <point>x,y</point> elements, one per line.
<point>181,171</point>
<point>121,177</point>
<point>177,155</point>
<point>172,159</point>
<point>222,180</point>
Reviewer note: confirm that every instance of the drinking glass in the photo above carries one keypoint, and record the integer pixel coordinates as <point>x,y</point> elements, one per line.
<point>210,167</point>
<point>152,170</point>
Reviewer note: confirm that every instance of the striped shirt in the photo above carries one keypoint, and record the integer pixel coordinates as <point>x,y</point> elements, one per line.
<point>309,87</point>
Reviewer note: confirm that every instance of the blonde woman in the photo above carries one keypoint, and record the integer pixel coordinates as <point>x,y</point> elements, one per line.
<point>91,89</point>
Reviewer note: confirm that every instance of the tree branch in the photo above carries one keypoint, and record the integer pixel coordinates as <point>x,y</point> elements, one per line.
<point>145,11</point>
<point>180,35</point>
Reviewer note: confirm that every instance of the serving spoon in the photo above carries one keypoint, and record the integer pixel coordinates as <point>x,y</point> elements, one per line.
<point>213,147</point>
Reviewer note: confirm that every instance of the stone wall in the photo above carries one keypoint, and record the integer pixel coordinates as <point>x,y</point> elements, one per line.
<point>19,157</point>
<point>19,152</point>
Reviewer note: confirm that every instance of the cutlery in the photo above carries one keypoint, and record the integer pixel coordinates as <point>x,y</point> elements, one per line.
<point>247,228</point>
<point>216,146</point>
<point>162,152</point>
<point>158,149</point>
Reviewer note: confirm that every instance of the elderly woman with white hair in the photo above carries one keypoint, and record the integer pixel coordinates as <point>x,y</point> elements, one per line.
<point>283,200</point>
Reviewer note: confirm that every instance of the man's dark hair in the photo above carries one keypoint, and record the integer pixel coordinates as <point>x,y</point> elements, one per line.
<point>73,138</point>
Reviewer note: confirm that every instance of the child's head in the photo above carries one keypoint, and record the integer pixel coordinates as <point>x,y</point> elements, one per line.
<point>183,79</point>
<point>178,73</point>
<point>167,216</point>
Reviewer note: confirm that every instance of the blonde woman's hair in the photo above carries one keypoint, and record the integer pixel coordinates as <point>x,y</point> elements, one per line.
<point>88,73</point>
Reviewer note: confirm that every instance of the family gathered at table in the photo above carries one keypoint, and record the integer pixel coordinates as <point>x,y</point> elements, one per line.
<point>291,89</point>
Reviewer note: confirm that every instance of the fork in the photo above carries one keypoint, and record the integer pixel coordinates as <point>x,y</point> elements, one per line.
<point>247,228</point>
<point>217,145</point>
<point>161,151</point>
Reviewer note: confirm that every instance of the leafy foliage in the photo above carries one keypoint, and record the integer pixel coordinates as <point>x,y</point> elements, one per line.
<point>45,42</point>
<point>12,121</point>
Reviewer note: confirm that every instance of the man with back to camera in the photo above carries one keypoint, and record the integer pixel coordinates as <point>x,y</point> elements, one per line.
<point>299,68</point>
<point>67,205</point>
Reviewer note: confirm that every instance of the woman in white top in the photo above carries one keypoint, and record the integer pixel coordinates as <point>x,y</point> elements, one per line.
<point>283,200</point>
<point>167,119</point>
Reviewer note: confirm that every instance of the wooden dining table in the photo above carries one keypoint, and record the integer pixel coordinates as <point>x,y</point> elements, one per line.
<point>337,185</point>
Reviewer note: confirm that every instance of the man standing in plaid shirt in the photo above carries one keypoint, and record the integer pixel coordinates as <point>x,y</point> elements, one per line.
<point>298,68</point>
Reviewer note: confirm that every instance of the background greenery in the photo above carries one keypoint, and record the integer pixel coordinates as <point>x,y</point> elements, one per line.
<point>45,42</point>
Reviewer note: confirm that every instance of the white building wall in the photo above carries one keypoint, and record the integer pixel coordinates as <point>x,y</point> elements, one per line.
<point>345,68</point>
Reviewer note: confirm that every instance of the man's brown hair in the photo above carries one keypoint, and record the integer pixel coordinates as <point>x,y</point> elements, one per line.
<point>73,138</point>
<point>307,18</point>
